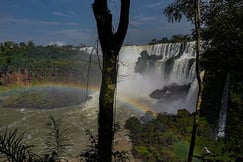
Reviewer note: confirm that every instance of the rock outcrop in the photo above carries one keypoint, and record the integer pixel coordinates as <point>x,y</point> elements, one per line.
<point>171,92</point>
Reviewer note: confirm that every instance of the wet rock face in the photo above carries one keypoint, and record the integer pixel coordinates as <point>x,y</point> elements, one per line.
<point>146,61</point>
<point>171,92</point>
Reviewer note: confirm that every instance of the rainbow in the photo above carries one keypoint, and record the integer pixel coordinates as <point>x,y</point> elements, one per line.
<point>91,88</point>
<point>135,104</point>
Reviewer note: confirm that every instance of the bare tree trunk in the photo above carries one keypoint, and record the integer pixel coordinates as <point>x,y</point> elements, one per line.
<point>110,44</point>
<point>200,83</point>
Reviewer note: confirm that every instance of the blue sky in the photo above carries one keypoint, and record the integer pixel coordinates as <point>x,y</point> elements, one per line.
<point>72,21</point>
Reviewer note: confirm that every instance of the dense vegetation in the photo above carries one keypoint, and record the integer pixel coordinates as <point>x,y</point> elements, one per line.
<point>167,138</point>
<point>224,56</point>
<point>46,64</point>
<point>173,39</point>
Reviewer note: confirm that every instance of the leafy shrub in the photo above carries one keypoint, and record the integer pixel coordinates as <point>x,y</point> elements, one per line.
<point>90,154</point>
<point>13,147</point>
<point>57,141</point>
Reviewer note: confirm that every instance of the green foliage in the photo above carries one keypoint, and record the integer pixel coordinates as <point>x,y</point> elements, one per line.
<point>144,152</point>
<point>57,139</point>
<point>173,39</point>
<point>181,150</point>
<point>150,153</point>
<point>234,127</point>
<point>13,147</point>
<point>133,124</point>
<point>167,138</point>
<point>49,63</point>
<point>179,8</point>
<point>223,35</point>
<point>236,97</point>
<point>90,154</point>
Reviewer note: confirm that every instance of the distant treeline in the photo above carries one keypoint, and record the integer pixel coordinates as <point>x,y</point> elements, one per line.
<point>44,63</point>
<point>173,39</point>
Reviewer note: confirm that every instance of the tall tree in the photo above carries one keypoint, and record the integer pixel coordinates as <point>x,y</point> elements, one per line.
<point>224,54</point>
<point>111,43</point>
<point>200,83</point>
<point>179,8</point>
<point>174,12</point>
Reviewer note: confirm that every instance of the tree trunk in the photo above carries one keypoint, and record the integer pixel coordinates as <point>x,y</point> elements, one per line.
<point>200,83</point>
<point>110,44</point>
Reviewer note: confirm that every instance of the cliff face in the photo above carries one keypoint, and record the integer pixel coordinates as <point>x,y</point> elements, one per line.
<point>73,76</point>
<point>19,77</point>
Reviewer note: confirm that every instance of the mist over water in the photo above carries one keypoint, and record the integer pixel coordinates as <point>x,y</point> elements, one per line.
<point>43,97</point>
<point>174,65</point>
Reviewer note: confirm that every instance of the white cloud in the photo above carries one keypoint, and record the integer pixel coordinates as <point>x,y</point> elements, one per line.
<point>154,5</point>
<point>70,33</point>
<point>56,13</point>
<point>138,21</point>
<point>58,43</point>
<point>72,36</point>
<point>35,22</point>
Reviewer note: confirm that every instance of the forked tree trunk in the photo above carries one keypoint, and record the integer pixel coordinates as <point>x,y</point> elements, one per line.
<point>111,43</point>
<point>199,79</point>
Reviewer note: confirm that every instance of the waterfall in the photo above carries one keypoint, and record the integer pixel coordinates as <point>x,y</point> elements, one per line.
<point>158,66</point>
<point>175,64</point>
<point>223,109</point>
<point>146,68</point>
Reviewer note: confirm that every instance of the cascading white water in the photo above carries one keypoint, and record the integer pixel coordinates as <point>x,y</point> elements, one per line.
<point>223,109</point>
<point>171,63</point>
<point>181,68</point>
<point>176,65</point>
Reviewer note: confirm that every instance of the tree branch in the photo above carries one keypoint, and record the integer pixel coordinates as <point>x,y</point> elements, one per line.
<point>104,22</point>
<point>123,22</point>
